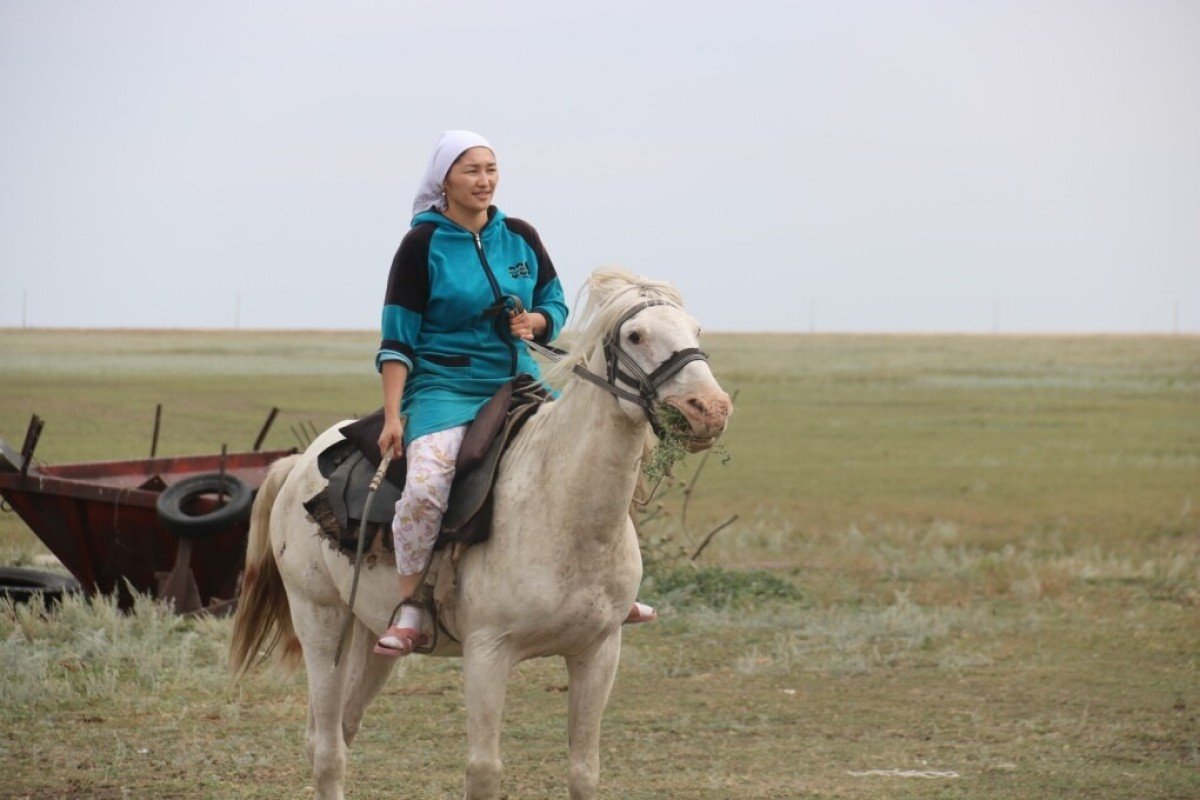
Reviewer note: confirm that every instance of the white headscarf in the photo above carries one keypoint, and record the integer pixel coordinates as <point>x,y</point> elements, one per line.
<point>452,145</point>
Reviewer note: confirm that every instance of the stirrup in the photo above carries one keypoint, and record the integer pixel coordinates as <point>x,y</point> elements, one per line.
<point>414,638</point>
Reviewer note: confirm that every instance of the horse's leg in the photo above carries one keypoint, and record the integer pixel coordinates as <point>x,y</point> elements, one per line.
<point>317,627</point>
<point>486,668</point>
<point>591,679</point>
<point>366,675</point>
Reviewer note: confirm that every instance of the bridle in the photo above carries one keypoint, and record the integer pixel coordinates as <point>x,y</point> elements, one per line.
<point>620,365</point>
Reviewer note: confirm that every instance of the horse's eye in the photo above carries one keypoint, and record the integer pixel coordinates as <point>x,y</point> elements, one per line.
<point>635,337</point>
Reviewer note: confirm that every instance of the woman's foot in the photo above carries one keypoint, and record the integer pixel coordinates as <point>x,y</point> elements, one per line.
<point>397,641</point>
<point>403,636</point>
<point>640,613</point>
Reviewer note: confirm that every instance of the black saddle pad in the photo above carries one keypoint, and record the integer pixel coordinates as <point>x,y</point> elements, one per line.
<point>350,464</point>
<point>364,434</point>
<point>349,472</point>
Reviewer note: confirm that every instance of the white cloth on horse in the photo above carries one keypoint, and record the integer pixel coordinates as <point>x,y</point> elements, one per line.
<point>450,146</point>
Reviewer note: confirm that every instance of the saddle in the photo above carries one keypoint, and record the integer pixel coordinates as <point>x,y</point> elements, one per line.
<point>350,464</point>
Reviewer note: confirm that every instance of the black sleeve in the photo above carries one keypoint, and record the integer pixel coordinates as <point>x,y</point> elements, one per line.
<point>526,231</point>
<point>408,282</point>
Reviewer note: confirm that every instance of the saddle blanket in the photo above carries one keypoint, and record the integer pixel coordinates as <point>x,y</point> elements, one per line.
<point>350,464</point>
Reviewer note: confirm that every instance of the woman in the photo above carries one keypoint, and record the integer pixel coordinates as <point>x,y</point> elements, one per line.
<point>443,355</point>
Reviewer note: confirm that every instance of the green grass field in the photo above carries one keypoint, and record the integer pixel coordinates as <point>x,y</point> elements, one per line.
<point>990,548</point>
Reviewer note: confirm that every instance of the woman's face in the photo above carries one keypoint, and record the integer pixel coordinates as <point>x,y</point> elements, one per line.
<point>472,181</point>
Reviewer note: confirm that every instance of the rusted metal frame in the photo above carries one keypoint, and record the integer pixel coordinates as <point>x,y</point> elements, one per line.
<point>80,531</point>
<point>55,486</point>
<point>148,467</point>
<point>52,486</point>
<point>60,520</point>
<point>83,512</point>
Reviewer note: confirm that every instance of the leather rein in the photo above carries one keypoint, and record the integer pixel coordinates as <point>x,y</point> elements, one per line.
<point>621,366</point>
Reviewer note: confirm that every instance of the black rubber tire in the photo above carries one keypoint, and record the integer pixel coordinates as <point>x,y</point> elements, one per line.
<point>22,585</point>
<point>177,496</point>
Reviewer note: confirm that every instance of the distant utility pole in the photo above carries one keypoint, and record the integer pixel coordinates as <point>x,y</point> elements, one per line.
<point>812,315</point>
<point>237,312</point>
<point>25,309</point>
<point>1175,321</point>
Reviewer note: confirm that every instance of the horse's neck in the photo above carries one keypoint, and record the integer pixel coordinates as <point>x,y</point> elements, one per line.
<point>590,450</point>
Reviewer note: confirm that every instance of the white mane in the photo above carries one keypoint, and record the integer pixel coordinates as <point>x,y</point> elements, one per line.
<point>610,292</point>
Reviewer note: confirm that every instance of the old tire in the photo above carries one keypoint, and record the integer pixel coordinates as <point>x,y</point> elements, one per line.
<point>22,585</point>
<point>176,499</point>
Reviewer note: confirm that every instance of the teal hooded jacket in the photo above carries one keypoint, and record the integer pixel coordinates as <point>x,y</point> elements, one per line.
<point>440,314</point>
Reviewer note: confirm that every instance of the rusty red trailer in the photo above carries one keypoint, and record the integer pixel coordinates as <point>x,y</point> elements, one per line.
<point>99,519</point>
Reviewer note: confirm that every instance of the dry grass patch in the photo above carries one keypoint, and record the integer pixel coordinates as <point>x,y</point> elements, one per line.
<point>990,548</point>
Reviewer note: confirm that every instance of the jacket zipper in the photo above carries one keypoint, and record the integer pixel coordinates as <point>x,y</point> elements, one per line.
<point>500,320</point>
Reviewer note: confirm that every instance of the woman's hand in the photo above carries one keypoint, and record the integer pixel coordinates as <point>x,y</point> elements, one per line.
<point>526,325</point>
<point>392,437</point>
<point>394,375</point>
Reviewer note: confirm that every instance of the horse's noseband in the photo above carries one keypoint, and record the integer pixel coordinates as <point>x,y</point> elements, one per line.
<point>621,365</point>
<point>615,357</point>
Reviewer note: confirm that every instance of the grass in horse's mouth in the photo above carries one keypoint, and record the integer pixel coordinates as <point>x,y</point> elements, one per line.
<point>674,437</point>
<point>672,419</point>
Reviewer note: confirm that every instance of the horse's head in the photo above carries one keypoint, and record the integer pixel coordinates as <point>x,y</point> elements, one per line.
<point>653,338</point>
<point>652,356</point>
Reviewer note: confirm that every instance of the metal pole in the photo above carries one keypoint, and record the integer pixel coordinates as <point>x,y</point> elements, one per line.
<point>157,424</point>
<point>32,434</point>
<point>262,434</point>
<point>221,479</point>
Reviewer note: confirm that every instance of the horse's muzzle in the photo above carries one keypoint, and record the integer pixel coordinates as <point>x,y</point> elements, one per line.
<point>706,414</point>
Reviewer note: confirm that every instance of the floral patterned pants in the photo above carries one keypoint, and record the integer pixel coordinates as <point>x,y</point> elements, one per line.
<point>420,508</point>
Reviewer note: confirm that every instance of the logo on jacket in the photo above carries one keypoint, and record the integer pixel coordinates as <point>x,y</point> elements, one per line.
<point>520,270</point>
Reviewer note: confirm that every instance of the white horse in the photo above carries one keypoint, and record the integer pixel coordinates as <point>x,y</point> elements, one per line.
<point>557,576</point>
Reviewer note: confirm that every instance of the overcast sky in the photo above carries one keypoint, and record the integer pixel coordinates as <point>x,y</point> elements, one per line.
<point>840,166</point>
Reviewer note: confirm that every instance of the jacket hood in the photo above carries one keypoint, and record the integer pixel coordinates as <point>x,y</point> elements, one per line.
<point>495,218</point>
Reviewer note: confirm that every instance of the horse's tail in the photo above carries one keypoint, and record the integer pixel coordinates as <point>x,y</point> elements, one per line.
<point>263,620</point>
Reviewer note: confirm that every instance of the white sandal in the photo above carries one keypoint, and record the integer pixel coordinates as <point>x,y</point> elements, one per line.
<point>640,613</point>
